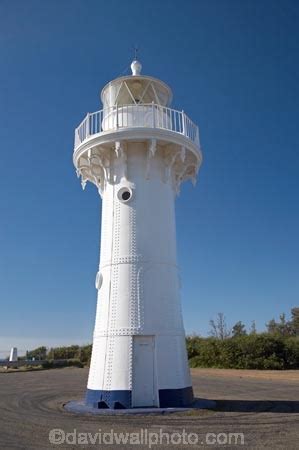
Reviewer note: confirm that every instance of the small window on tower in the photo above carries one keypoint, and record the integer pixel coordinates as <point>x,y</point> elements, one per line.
<point>124,194</point>
<point>99,280</point>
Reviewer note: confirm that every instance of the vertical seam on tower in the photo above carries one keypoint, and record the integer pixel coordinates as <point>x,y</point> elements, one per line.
<point>115,268</point>
<point>134,306</point>
<point>111,267</point>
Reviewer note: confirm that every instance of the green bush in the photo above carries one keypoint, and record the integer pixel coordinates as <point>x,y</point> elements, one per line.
<point>74,363</point>
<point>256,351</point>
<point>82,353</point>
<point>54,364</point>
<point>292,352</point>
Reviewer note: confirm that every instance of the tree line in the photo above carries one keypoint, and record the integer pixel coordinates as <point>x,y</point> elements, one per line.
<point>238,348</point>
<point>73,355</point>
<point>220,330</point>
<point>226,347</point>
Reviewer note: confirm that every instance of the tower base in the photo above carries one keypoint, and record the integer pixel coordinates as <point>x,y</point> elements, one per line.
<point>78,407</point>
<point>168,398</point>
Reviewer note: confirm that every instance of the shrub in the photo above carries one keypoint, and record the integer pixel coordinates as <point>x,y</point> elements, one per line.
<point>256,351</point>
<point>74,363</point>
<point>54,364</point>
<point>292,352</point>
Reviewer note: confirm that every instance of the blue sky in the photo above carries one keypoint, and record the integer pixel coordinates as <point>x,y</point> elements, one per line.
<point>233,67</point>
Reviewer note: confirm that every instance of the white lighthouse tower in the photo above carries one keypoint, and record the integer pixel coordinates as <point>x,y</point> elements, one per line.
<point>138,151</point>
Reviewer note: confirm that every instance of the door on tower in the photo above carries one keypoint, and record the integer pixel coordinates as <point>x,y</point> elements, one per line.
<point>144,379</point>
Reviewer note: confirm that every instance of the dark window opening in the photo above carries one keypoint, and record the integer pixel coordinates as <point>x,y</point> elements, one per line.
<point>126,195</point>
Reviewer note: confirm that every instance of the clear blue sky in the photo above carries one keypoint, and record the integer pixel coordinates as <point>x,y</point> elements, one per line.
<point>233,67</point>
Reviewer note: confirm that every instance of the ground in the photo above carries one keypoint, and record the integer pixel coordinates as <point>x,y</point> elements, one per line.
<point>264,406</point>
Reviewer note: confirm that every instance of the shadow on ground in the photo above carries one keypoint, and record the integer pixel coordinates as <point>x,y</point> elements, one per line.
<point>257,406</point>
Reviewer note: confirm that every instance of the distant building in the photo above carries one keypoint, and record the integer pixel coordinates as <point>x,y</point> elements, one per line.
<point>13,354</point>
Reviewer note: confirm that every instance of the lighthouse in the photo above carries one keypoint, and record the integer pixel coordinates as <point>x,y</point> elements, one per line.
<point>138,151</point>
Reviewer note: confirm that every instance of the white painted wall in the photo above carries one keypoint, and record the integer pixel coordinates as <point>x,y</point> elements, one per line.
<point>139,294</point>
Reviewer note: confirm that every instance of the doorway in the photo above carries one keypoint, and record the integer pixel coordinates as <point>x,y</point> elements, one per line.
<point>144,382</point>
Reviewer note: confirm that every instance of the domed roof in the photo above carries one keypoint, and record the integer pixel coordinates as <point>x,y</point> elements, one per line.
<point>136,89</point>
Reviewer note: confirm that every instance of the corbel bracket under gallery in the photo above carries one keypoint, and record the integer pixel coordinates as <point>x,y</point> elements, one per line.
<point>151,150</point>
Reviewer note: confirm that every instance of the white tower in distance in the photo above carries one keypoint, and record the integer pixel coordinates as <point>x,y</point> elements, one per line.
<point>13,354</point>
<point>138,151</point>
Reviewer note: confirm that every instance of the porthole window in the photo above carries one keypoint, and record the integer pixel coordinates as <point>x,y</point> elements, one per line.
<point>124,194</point>
<point>99,280</point>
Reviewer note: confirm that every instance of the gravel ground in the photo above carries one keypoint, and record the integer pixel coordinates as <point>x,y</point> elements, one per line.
<point>265,408</point>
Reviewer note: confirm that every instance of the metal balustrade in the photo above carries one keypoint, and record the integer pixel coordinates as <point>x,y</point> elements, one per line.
<point>133,116</point>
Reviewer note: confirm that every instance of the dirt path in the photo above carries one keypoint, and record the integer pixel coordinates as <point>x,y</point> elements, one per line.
<point>265,410</point>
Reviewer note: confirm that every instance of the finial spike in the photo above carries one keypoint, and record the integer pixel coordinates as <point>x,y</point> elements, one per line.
<point>136,50</point>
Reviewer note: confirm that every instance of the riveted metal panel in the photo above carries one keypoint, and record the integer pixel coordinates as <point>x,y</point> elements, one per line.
<point>140,293</point>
